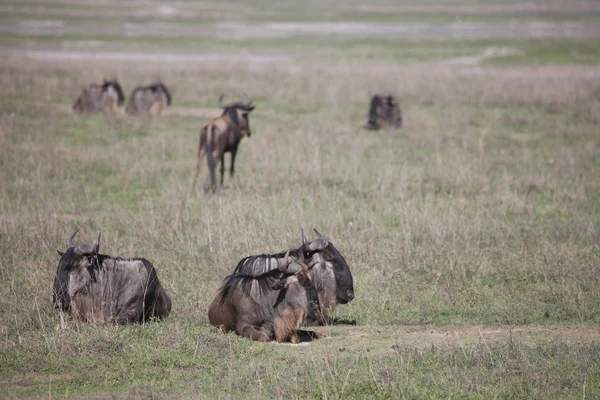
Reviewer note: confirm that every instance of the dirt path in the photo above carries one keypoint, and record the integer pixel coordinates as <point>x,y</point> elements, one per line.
<point>389,339</point>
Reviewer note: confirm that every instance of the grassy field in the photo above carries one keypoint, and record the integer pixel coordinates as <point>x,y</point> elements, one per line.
<point>472,233</point>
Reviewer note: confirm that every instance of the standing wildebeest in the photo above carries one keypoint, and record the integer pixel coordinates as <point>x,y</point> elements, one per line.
<point>148,100</point>
<point>329,271</point>
<point>269,306</point>
<point>98,288</point>
<point>100,98</point>
<point>223,135</point>
<point>384,113</point>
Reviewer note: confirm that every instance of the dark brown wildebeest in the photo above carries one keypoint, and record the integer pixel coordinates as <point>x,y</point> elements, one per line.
<point>384,112</point>
<point>223,135</point>
<point>269,306</point>
<point>329,271</point>
<point>99,98</point>
<point>98,288</point>
<point>148,100</point>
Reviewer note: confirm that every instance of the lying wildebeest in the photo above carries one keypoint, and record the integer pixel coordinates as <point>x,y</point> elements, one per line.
<point>98,288</point>
<point>384,113</point>
<point>223,135</point>
<point>269,306</point>
<point>329,271</point>
<point>100,98</point>
<point>148,100</point>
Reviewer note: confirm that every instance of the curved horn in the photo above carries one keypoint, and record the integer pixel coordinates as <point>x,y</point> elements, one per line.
<point>317,232</point>
<point>70,240</point>
<point>96,247</point>
<point>304,239</point>
<point>284,262</point>
<point>221,105</point>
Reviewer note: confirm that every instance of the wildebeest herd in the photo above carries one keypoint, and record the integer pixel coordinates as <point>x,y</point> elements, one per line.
<point>266,297</point>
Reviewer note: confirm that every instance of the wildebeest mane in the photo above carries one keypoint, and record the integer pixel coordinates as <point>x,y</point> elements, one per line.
<point>260,264</point>
<point>245,282</point>
<point>118,89</point>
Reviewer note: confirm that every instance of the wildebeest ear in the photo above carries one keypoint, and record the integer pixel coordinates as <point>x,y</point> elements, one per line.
<point>250,108</point>
<point>60,253</point>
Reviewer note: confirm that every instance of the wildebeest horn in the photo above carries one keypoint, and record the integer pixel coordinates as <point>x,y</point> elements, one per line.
<point>70,240</point>
<point>221,105</point>
<point>304,240</point>
<point>96,247</point>
<point>284,262</point>
<point>317,232</point>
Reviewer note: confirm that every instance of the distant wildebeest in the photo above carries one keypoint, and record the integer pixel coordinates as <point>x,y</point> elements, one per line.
<point>100,98</point>
<point>223,135</point>
<point>269,306</point>
<point>148,100</point>
<point>384,113</point>
<point>98,288</point>
<point>329,271</point>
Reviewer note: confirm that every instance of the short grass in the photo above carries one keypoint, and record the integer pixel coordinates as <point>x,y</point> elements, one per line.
<point>472,232</point>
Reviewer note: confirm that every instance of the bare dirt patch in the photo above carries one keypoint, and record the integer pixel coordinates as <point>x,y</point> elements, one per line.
<point>381,340</point>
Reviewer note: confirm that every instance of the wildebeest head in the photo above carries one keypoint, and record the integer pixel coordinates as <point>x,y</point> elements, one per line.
<point>384,112</point>
<point>298,271</point>
<point>328,261</point>
<point>113,88</point>
<point>161,90</point>
<point>238,113</point>
<point>77,255</point>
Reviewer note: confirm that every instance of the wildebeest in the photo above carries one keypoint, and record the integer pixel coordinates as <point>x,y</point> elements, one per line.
<point>97,288</point>
<point>223,135</point>
<point>269,306</point>
<point>148,100</point>
<point>329,271</point>
<point>100,98</point>
<point>384,112</point>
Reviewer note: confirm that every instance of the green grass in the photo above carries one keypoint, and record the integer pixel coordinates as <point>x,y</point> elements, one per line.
<point>472,232</point>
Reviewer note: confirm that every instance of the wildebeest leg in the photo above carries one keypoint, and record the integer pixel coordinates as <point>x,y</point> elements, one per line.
<point>222,167</point>
<point>251,332</point>
<point>212,165</point>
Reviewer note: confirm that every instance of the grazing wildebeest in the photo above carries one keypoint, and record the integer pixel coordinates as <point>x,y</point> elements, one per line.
<point>100,98</point>
<point>148,100</point>
<point>384,113</point>
<point>269,306</point>
<point>98,288</point>
<point>223,135</point>
<point>329,271</point>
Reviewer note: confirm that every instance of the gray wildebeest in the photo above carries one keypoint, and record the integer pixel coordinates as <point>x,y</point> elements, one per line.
<point>384,113</point>
<point>223,135</point>
<point>99,98</point>
<point>269,306</point>
<point>328,269</point>
<point>148,100</point>
<point>97,288</point>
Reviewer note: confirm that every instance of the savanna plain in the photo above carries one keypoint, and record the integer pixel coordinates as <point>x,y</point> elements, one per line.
<point>472,232</point>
